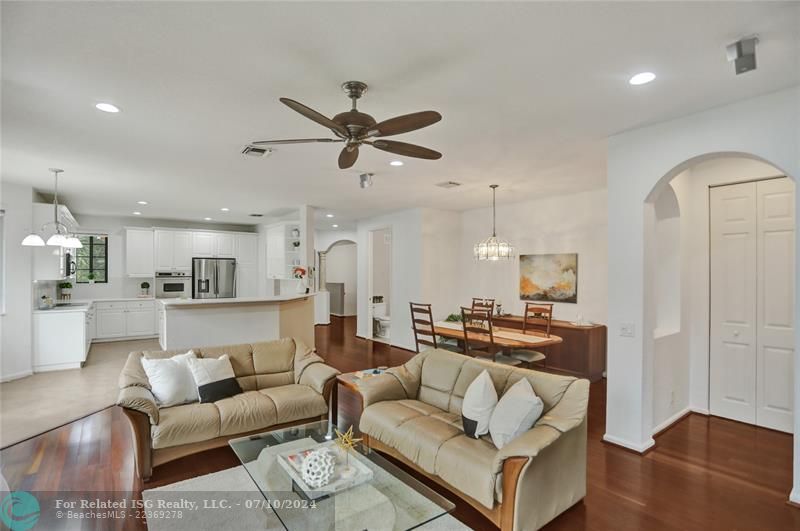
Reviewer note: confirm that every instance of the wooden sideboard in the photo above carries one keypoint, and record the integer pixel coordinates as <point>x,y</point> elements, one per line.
<point>582,353</point>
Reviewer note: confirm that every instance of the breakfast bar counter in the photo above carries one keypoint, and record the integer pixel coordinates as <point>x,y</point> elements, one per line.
<point>186,323</point>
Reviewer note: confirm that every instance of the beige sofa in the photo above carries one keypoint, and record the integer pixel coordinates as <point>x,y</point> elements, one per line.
<point>284,383</point>
<point>414,414</point>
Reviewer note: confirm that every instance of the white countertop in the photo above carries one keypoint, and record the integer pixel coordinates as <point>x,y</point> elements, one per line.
<point>80,306</point>
<point>235,300</point>
<point>111,299</point>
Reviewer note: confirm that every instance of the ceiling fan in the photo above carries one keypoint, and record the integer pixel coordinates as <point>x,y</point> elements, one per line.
<point>356,128</point>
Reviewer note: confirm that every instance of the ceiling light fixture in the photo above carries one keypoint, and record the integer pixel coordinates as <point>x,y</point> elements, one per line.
<point>328,215</point>
<point>207,219</point>
<point>225,209</point>
<point>365,180</point>
<point>492,248</point>
<point>335,226</point>
<point>141,202</point>
<point>107,107</point>
<point>136,213</point>
<point>62,237</point>
<point>396,163</point>
<point>642,78</point>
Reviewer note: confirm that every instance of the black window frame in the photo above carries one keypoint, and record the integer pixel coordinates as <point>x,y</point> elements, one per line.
<point>94,241</point>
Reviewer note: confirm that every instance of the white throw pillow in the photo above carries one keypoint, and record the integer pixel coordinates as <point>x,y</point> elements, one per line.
<point>214,378</point>
<point>479,402</point>
<point>171,380</point>
<point>516,412</point>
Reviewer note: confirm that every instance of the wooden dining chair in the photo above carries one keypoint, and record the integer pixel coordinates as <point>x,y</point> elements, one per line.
<point>536,313</point>
<point>483,304</point>
<point>478,322</point>
<point>422,324</point>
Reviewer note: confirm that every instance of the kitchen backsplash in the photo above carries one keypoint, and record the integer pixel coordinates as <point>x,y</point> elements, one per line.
<point>42,288</point>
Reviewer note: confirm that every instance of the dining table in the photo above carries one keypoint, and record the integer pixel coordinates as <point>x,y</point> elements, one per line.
<point>505,338</point>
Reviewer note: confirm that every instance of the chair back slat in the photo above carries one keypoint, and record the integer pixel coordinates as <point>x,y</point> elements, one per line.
<point>483,304</point>
<point>422,323</point>
<point>537,313</point>
<point>477,321</point>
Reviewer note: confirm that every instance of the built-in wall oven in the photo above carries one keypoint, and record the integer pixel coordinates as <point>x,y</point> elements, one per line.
<point>173,285</point>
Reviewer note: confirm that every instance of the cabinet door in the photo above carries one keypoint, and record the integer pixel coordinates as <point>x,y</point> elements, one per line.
<point>182,250</point>
<point>140,322</point>
<point>110,323</point>
<point>247,249</point>
<point>204,244</point>
<point>139,261</point>
<point>276,253</point>
<point>164,245</point>
<point>226,245</point>
<point>246,280</point>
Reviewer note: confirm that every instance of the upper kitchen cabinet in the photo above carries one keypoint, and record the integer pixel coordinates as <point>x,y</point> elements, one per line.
<point>283,249</point>
<point>213,245</point>
<point>247,249</point>
<point>173,250</point>
<point>139,255</point>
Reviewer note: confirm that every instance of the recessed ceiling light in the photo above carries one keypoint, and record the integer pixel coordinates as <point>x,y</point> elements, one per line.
<point>396,163</point>
<point>225,209</point>
<point>207,219</point>
<point>642,78</point>
<point>328,215</point>
<point>335,226</point>
<point>141,202</point>
<point>107,107</point>
<point>137,213</point>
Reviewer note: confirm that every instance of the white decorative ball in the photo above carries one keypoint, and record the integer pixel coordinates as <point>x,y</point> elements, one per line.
<point>318,467</point>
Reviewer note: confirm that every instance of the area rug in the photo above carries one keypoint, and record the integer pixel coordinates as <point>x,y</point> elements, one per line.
<point>38,403</point>
<point>234,489</point>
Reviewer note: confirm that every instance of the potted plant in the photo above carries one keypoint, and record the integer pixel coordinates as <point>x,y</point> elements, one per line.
<point>91,277</point>
<point>145,288</point>
<point>66,289</point>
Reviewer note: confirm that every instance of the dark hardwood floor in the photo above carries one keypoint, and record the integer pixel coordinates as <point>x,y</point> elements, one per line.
<point>705,473</point>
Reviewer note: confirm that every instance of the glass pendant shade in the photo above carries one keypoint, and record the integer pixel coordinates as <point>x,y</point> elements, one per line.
<point>493,249</point>
<point>57,239</point>
<point>33,240</point>
<point>73,243</point>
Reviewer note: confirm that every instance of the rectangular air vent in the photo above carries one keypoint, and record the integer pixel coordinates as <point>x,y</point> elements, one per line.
<point>448,184</point>
<point>253,151</point>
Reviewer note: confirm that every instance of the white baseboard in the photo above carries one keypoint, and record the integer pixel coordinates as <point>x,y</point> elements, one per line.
<point>128,338</point>
<point>700,410</point>
<point>15,376</point>
<point>638,448</point>
<point>671,420</point>
<point>794,496</point>
<point>56,367</point>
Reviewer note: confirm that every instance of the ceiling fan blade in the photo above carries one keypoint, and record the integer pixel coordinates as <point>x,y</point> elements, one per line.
<point>409,150</point>
<point>311,114</point>
<point>404,124</point>
<point>294,141</point>
<point>348,157</point>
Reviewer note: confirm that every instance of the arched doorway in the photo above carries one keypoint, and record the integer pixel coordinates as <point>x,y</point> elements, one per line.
<point>337,275</point>
<point>700,359</point>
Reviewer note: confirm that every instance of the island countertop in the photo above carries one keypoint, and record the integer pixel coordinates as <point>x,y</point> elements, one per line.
<point>233,300</point>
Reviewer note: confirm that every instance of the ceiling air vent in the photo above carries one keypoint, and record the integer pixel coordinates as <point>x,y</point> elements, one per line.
<point>253,151</point>
<point>256,215</point>
<point>448,184</point>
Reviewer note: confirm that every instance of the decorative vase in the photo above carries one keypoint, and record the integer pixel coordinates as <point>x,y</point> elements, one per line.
<point>317,469</point>
<point>301,286</point>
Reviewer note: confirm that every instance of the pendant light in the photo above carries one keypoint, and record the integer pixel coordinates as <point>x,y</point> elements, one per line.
<point>493,249</point>
<point>62,236</point>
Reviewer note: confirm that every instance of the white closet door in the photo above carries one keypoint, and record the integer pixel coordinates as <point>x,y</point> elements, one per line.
<point>775,305</point>
<point>733,302</point>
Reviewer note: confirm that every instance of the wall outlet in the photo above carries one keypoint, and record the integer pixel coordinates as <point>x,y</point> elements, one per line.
<point>627,330</point>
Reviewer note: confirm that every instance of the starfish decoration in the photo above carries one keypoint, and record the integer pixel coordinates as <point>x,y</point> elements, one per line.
<point>345,440</point>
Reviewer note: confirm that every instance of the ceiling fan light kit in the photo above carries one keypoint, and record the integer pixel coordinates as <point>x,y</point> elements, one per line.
<point>355,128</point>
<point>493,249</point>
<point>62,236</point>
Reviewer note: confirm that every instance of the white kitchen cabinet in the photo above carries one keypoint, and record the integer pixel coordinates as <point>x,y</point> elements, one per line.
<point>276,252</point>
<point>59,339</point>
<point>139,253</point>
<point>139,323</point>
<point>246,280</point>
<point>247,249</point>
<point>118,319</point>
<point>204,244</point>
<point>111,323</point>
<point>225,245</point>
<point>173,250</point>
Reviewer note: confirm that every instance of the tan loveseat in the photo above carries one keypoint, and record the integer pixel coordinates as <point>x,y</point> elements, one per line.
<point>414,414</point>
<point>284,383</point>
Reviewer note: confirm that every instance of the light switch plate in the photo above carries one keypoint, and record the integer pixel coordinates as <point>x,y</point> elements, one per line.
<point>627,330</point>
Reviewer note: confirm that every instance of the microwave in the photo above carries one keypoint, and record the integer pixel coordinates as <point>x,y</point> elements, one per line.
<point>173,285</point>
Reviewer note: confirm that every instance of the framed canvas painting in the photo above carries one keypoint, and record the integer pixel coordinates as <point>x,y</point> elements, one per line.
<point>548,277</point>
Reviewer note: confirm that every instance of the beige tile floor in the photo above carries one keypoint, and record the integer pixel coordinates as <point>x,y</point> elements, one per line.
<point>35,404</point>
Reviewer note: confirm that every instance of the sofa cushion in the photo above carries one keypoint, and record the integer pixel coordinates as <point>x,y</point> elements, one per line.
<point>185,424</point>
<point>295,402</point>
<point>440,369</point>
<point>241,357</point>
<point>245,412</point>
<point>549,387</point>
<point>466,464</point>
<point>274,356</point>
<point>469,371</point>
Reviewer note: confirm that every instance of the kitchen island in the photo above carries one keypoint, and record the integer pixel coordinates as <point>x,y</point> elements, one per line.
<point>187,323</point>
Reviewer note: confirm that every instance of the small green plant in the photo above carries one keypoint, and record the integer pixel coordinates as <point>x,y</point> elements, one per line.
<point>91,276</point>
<point>65,285</point>
<point>454,318</point>
<point>144,285</point>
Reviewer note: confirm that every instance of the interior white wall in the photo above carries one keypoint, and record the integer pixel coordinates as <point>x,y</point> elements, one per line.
<point>341,266</point>
<point>382,266</point>
<point>645,159</point>
<point>16,321</point>
<point>406,279</point>
<point>576,223</point>
<point>441,256</point>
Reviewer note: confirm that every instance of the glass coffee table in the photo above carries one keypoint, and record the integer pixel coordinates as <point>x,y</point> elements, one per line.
<point>390,500</point>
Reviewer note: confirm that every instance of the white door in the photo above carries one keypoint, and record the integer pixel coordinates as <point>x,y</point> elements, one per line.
<point>775,335</point>
<point>140,322</point>
<point>752,303</point>
<point>733,302</point>
<point>164,245</point>
<point>182,250</point>
<point>110,323</point>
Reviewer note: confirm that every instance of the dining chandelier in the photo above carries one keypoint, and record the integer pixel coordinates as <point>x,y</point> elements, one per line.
<point>493,248</point>
<point>62,237</point>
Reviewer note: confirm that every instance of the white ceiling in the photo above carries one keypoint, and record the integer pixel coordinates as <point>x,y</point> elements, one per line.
<point>528,91</point>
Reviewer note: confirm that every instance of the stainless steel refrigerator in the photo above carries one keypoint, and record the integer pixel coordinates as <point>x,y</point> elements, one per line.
<point>213,278</point>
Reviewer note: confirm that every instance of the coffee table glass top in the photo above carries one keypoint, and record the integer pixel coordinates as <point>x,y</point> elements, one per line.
<point>391,499</point>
